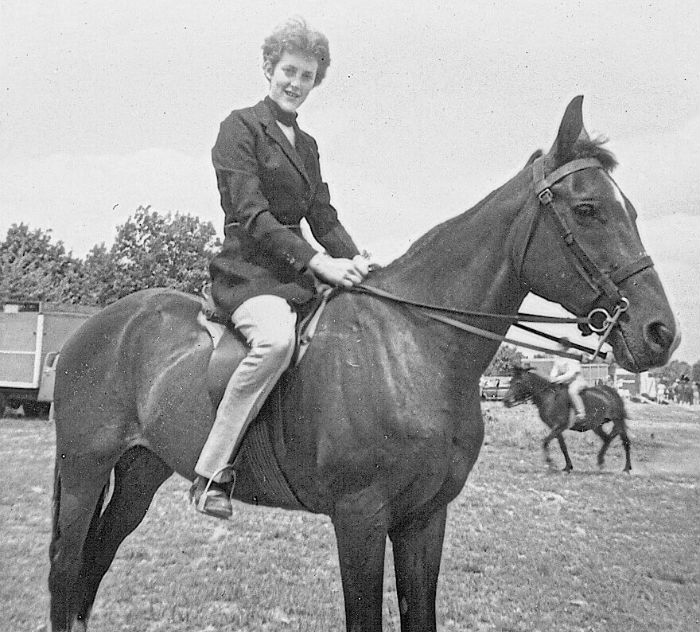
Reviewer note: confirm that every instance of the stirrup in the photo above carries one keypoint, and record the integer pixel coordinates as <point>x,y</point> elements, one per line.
<point>201,501</point>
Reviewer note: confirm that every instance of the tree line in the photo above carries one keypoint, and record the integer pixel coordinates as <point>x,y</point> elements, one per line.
<point>150,250</point>
<point>155,250</point>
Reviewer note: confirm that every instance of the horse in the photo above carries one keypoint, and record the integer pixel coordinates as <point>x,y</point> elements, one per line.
<point>603,404</point>
<point>380,424</point>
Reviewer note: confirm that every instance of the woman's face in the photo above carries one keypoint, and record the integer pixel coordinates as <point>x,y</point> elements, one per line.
<point>291,80</point>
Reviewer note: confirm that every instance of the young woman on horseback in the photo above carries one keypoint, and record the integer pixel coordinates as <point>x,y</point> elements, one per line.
<point>269,179</point>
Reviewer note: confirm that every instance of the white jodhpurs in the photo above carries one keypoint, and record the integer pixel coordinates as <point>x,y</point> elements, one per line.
<point>267,323</point>
<point>575,388</point>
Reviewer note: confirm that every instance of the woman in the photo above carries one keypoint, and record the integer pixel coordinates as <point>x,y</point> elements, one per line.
<point>269,178</point>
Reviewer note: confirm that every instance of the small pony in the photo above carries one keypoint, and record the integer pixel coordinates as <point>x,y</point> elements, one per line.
<point>602,404</point>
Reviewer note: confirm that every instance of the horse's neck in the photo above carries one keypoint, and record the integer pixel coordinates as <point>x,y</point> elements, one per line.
<point>544,394</point>
<point>465,262</point>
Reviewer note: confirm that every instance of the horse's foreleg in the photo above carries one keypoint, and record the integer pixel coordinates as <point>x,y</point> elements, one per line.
<point>76,504</point>
<point>417,555</point>
<point>555,433</point>
<point>607,438</point>
<point>137,476</point>
<point>361,541</point>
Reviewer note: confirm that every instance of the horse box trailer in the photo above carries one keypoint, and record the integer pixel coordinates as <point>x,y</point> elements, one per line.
<point>31,336</point>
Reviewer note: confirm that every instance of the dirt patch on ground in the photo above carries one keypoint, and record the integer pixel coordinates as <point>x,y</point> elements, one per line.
<point>674,434</point>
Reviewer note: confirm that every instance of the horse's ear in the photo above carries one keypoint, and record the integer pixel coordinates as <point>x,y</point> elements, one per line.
<point>570,130</point>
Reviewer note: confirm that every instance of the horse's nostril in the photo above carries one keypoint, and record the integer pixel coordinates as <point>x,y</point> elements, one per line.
<point>659,335</point>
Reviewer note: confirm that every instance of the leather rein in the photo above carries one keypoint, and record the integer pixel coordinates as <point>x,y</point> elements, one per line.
<point>599,320</point>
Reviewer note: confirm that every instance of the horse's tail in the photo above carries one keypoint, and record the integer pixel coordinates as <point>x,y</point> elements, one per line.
<point>55,508</point>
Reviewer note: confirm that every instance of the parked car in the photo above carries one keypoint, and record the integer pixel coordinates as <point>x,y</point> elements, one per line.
<point>494,386</point>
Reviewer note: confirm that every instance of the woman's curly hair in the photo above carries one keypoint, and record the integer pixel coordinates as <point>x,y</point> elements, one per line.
<point>294,36</point>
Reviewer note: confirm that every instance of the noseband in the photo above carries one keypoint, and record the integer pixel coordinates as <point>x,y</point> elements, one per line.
<point>599,320</point>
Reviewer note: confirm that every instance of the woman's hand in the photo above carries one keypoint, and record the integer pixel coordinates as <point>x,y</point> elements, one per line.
<point>339,271</point>
<point>368,260</point>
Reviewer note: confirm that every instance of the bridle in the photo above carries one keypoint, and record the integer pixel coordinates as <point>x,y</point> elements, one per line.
<point>599,320</point>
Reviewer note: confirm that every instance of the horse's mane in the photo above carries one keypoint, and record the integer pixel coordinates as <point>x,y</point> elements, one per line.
<point>586,148</point>
<point>583,148</point>
<point>541,383</point>
<point>594,148</point>
<point>426,239</point>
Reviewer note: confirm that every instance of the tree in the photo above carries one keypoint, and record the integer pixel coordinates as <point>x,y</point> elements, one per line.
<point>506,359</point>
<point>151,250</point>
<point>696,372</point>
<point>33,267</point>
<point>669,373</point>
<point>98,276</point>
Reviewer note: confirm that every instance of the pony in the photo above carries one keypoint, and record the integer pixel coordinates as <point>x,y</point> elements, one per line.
<point>603,404</point>
<point>380,424</point>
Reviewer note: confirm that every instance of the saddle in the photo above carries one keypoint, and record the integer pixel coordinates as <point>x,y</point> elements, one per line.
<point>257,453</point>
<point>230,348</point>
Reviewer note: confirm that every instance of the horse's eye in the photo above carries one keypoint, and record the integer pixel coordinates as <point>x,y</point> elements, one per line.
<point>585,210</point>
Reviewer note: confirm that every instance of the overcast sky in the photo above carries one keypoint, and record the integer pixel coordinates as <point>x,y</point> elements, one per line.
<point>427,107</point>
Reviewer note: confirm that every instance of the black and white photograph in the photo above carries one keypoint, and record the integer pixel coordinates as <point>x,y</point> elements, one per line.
<point>360,316</point>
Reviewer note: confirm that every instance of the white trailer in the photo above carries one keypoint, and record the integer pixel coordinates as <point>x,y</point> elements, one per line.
<point>31,336</point>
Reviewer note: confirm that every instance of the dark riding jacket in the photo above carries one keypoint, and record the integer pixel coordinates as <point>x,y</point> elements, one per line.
<point>266,188</point>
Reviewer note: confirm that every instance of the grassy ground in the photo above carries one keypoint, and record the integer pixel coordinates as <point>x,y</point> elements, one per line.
<point>527,549</point>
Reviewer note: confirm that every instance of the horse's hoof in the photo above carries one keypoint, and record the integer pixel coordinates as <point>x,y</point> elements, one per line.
<point>567,470</point>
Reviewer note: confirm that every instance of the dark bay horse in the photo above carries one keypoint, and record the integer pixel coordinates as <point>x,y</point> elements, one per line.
<point>603,404</point>
<point>380,424</point>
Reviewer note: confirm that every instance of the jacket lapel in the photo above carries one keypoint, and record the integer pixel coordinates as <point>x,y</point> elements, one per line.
<point>273,131</point>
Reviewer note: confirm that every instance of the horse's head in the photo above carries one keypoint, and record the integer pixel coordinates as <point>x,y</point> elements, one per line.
<point>583,251</point>
<point>520,389</point>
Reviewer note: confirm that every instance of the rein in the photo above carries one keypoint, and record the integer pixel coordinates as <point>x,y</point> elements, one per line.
<point>428,310</point>
<point>599,319</point>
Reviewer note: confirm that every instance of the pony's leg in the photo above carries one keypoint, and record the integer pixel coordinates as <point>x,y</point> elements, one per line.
<point>77,500</point>
<point>417,555</point>
<point>137,476</point>
<point>564,450</point>
<point>554,433</point>
<point>607,438</point>
<point>361,538</point>
<point>626,443</point>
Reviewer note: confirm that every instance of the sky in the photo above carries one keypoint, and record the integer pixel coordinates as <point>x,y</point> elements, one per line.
<point>425,109</point>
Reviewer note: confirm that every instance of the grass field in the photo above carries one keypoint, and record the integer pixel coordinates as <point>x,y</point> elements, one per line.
<point>527,549</point>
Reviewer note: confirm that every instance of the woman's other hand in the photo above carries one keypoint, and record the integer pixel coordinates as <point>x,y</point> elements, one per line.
<point>369,261</point>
